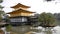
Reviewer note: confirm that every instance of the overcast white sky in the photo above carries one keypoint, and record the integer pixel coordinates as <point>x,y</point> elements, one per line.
<point>37,6</point>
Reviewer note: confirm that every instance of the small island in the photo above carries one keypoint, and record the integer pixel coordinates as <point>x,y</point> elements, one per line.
<point>47,20</point>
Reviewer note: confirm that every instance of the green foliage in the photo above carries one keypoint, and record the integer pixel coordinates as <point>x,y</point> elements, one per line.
<point>1,1</point>
<point>46,19</point>
<point>1,12</point>
<point>8,28</point>
<point>1,7</point>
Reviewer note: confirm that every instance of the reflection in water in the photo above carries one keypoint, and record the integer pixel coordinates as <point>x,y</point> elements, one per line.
<point>48,31</point>
<point>36,30</point>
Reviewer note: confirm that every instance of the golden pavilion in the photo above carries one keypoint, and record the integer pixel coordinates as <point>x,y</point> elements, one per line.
<point>20,14</point>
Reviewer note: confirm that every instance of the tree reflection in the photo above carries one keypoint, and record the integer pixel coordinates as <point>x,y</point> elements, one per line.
<point>49,31</point>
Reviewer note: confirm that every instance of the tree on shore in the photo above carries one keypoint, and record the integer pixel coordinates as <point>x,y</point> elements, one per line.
<point>47,19</point>
<point>3,15</point>
<point>1,11</point>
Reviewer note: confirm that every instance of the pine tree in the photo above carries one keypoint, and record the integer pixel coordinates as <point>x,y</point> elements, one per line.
<point>47,19</point>
<point>1,11</point>
<point>3,15</point>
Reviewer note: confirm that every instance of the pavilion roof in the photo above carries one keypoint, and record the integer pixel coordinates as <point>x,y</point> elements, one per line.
<point>20,10</point>
<point>20,5</point>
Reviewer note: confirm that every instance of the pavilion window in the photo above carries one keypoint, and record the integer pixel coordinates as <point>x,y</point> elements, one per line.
<point>16,20</point>
<point>24,19</point>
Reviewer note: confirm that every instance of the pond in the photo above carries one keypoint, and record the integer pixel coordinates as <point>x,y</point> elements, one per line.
<point>36,30</point>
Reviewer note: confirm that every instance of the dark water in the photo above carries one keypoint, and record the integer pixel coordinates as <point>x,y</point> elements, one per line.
<point>36,30</point>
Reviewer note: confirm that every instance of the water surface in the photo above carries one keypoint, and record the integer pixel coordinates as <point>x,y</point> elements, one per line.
<point>36,30</point>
